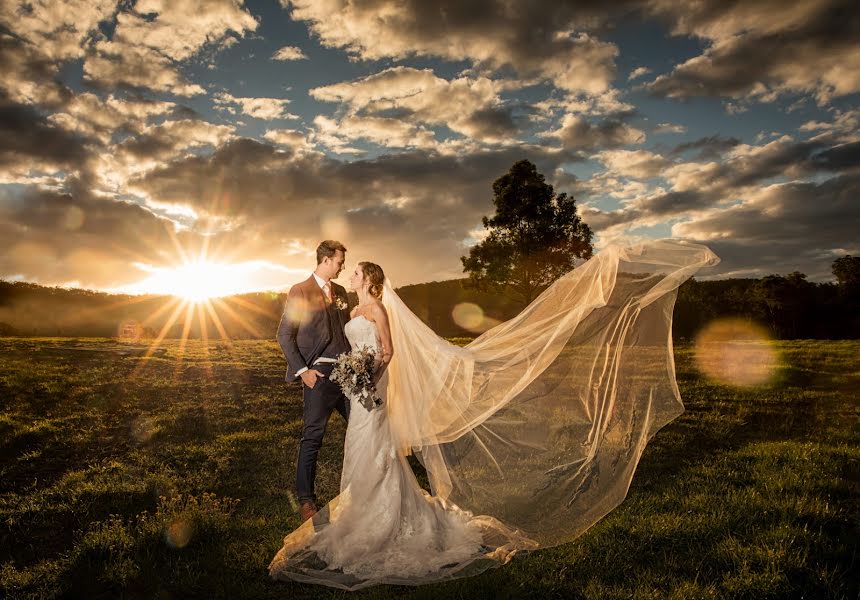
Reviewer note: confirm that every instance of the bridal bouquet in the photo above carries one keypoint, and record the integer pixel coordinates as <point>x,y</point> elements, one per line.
<point>354,374</point>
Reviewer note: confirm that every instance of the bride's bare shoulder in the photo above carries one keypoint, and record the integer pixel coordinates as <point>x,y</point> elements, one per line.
<point>377,310</point>
<point>374,311</point>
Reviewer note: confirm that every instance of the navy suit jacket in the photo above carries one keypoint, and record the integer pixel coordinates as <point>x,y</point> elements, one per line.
<point>305,330</point>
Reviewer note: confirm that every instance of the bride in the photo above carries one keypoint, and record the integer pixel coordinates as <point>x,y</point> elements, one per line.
<point>529,434</point>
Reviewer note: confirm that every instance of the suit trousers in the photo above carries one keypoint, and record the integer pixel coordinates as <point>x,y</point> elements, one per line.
<point>319,402</point>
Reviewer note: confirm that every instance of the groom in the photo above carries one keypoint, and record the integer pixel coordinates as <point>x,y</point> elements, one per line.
<point>311,336</point>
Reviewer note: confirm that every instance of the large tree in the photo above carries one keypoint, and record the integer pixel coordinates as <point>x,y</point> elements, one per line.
<point>534,237</point>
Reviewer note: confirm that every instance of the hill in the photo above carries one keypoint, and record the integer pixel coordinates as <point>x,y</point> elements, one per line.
<point>790,307</point>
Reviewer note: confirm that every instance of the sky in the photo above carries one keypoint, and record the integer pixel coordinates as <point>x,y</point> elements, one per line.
<point>148,144</point>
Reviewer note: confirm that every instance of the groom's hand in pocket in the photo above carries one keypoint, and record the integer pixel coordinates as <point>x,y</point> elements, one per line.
<point>310,377</point>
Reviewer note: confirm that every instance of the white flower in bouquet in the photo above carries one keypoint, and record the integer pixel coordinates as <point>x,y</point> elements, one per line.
<point>354,374</point>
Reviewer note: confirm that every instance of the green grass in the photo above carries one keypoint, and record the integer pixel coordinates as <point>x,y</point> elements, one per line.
<point>160,477</point>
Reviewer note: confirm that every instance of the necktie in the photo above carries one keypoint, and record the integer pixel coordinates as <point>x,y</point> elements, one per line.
<point>327,292</point>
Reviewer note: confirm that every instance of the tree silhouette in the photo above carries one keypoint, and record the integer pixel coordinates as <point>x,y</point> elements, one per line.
<point>847,272</point>
<point>785,301</point>
<point>534,237</point>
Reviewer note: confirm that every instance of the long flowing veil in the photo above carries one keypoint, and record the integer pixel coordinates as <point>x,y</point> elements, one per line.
<point>541,421</point>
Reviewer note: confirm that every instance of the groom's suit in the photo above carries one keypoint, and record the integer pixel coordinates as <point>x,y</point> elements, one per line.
<point>311,334</point>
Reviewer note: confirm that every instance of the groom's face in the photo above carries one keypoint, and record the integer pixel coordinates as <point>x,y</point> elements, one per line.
<point>334,264</point>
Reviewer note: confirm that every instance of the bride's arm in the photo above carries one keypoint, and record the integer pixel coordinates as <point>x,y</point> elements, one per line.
<point>380,317</point>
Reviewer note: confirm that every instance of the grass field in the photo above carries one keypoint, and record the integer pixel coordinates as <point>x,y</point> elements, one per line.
<point>171,477</point>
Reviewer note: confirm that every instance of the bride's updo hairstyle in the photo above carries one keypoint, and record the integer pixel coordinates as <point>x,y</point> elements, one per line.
<point>374,275</point>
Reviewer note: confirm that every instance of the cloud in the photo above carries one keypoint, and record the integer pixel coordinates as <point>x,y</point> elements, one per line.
<point>640,164</point>
<point>783,227</point>
<point>148,44</point>
<point>287,137</point>
<point>759,50</point>
<point>708,148</point>
<point>669,128</point>
<point>58,29</point>
<point>546,40</point>
<point>401,101</point>
<point>179,28</point>
<point>842,157</point>
<point>163,141</point>
<point>607,104</point>
<point>424,145</point>
<point>388,132</point>
<point>845,126</point>
<point>419,199</point>
<point>118,65</point>
<point>289,53</point>
<point>88,114</point>
<point>259,108</point>
<point>71,234</point>
<point>638,72</point>
<point>757,203</point>
<point>29,142</point>
<point>27,76</point>
<point>579,134</point>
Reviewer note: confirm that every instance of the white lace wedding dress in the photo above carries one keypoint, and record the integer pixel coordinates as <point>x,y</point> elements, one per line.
<point>383,527</point>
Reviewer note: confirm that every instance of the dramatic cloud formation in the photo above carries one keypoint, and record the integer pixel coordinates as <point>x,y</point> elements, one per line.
<point>136,134</point>
<point>759,50</point>
<point>468,106</point>
<point>577,133</point>
<point>537,39</point>
<point>778,221</point>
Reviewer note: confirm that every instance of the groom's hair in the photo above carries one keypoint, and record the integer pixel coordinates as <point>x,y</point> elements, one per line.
<point>329,248</point>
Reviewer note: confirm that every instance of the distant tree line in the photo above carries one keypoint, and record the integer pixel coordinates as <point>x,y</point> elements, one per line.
<point>790,306</point>
<point>29,309</point>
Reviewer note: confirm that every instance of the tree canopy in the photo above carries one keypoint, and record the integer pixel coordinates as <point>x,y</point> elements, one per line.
<point>535,236</point>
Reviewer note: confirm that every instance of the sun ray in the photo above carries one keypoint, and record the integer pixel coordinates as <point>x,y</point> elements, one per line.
<point>239,318</point>
<point>183,255</point>
<point>204,336</point>
<point>157,341</point>
<point>221,331</point>
<point>186,329</point>
<point>163,333</point>
<point>85,313</point>
<point>248,305</point>
<point>164,308</point>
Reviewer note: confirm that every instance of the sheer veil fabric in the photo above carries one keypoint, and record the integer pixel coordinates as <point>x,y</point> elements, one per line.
<point>532,432</point>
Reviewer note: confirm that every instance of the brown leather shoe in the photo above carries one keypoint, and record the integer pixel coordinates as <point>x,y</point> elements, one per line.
<point>307,510</point>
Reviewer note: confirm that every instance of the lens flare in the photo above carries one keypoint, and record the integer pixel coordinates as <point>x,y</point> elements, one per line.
<point>736,352</point>
<point>142,429</point>
<point>333,226</point>
<point>178,534</point>
<point>471,317</point>
<point>129,331</point>
<point>468,315</point>
<point>73,218</point>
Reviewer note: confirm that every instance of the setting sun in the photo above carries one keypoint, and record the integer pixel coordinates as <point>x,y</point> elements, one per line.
<point>197,280</point>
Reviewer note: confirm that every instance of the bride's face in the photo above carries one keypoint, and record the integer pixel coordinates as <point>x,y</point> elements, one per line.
<point>357,279</point>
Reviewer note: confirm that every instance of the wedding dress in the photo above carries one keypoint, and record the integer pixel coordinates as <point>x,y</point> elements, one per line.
<point>384,528</point>
<point>530,433</point>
